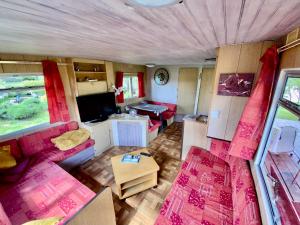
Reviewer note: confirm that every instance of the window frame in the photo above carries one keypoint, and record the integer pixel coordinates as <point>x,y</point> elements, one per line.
<point>30,129</point>
<point>130,75</point>
<point>269,214</point>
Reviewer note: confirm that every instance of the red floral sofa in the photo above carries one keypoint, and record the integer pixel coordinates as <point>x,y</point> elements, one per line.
<point>44,189</point>
<point>167,115</point>
<point>212,188</point>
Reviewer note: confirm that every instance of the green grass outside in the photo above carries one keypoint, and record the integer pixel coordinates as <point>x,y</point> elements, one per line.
<point>9,126</point>
<point>283,113</point>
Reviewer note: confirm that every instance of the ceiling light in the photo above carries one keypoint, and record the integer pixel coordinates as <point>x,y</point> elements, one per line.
<point>154,3</point>
<point>150,65</point>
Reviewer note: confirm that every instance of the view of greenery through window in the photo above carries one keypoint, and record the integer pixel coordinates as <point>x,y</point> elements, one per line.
<point>23,102</point>
<point>130,87</point>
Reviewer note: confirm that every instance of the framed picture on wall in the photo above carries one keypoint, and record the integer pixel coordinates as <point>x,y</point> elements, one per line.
<point>235,84</point>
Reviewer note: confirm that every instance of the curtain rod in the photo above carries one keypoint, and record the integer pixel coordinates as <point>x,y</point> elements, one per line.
<point>30,63</point>
<point>289,46</point>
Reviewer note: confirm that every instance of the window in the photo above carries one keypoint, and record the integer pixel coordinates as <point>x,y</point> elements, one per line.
<point>23,102</point>
<point>278,163</point>
<point>130,87</point>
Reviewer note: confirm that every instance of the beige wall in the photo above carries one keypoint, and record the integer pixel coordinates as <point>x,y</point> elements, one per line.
<point>226,111</point>
<point>206,90</point>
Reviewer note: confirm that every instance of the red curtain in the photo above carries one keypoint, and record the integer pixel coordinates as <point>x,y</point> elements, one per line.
<point>249,131</point>
<point>141,84</point>
<point>57,105</point>
<point>119,83</point>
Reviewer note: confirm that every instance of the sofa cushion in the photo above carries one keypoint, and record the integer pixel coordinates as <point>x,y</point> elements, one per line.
<point>155,125</point>
<point>55,155</point>
<point>200,194</point>
<point>38,141</point>
<point>245,202</point>
<point>3,217</point>
<point>46,190</point>
<point>220,149</point>
<point>168,115</point>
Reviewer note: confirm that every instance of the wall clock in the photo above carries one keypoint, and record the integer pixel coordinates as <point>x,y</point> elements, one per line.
<point>161,76</point>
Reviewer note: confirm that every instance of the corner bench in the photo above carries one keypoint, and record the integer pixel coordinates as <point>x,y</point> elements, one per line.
<point>210,190</point>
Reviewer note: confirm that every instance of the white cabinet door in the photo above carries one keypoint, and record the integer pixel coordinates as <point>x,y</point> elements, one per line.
<point>101,135</point>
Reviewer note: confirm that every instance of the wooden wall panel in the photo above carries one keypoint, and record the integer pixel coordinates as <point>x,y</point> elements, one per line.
<point>206,90</point>
<point>227,62</point>
<point>290,58</point>
<point>187,88</point>
<point>226,110</point>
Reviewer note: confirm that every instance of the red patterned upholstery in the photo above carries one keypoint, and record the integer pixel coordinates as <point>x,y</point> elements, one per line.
<point>201,193</point>
<point>155,125</point>
<point>37,142</point>
<point>3,217</point>
<point>210,191</point>
<point>44,191</point>
<point>245,202</point>
<point>55,155</point>
<point>220,149</point>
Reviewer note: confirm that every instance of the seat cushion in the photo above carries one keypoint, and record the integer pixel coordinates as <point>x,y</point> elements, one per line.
<point>168,115</point>
<point>3,217</point>
<point>38,141</point>
<point>55,155</point>
<point>244,198</point>
<point>46,190</point>
<point>220,149</point>
<point>155,125</point>
<point>200,194</point>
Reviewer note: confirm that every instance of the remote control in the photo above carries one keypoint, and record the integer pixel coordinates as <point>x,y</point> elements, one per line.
<point>146,154</point>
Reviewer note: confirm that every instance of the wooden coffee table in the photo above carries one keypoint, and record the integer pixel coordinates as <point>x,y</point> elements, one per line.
<point>131,178</point>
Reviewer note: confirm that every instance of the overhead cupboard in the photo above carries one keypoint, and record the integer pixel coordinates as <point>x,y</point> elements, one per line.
<point>90,76</point>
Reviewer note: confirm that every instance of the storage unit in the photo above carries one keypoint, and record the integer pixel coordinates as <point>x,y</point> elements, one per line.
<point>91,76</point>
<point>101,133</point>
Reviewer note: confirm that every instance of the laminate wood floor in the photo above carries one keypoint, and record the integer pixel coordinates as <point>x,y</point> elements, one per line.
<point>142,208</point>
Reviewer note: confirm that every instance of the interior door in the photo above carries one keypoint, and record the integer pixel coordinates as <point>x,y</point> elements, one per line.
<point>187,86</point>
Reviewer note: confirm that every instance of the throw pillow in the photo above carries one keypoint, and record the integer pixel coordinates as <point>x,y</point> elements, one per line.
<point>71,139</point>
<point>6,159</point>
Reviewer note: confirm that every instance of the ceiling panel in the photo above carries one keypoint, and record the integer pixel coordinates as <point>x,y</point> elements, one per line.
<point>182,34</point>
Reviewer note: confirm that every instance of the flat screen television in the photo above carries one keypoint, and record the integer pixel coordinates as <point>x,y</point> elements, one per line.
<point>96,107</point>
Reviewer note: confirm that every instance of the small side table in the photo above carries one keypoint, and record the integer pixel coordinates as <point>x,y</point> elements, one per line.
<point>132,178</point>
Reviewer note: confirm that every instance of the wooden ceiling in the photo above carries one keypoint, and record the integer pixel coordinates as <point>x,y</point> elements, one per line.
<point>108,29</point>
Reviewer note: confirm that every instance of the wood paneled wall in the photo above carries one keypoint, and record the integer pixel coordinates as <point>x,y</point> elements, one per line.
<point>290,58</point>
<point>18,68</point>
<point>226,111</point>
<point>130,68</point>
<point>206,90</point>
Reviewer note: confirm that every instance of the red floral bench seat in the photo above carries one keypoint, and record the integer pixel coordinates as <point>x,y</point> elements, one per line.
<point>211,191</point>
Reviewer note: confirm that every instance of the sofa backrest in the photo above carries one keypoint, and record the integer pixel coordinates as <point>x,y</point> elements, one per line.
<point>38,141</point>
<point>4,220</point>
<point>244,198</point>
<point>14,148</point>
<point>171,107</point>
